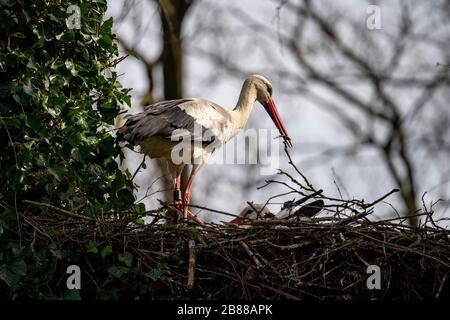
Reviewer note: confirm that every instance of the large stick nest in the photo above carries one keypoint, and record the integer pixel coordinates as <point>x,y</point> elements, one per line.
<point>325,258</point>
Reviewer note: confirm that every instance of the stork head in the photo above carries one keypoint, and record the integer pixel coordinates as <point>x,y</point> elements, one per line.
<point>264,96</point>
<point>263,88</point>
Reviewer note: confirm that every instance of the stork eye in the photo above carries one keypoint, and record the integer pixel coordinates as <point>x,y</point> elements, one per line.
<point>269,89</point>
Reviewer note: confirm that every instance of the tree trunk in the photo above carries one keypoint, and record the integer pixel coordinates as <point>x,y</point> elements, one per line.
<point>172,13</point>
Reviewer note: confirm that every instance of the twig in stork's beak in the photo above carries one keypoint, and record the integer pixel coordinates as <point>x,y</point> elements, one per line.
<point>273,113</point>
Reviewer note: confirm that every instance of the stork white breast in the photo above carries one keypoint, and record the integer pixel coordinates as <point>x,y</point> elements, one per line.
<point>211,116</point>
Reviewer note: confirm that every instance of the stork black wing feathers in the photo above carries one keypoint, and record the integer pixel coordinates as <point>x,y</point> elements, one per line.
<point>159,119</point>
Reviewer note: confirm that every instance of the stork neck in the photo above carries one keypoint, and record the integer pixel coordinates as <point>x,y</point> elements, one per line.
<point>245,103</point>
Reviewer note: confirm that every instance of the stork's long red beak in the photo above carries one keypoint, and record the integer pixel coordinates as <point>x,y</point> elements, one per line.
<point>273,113</point>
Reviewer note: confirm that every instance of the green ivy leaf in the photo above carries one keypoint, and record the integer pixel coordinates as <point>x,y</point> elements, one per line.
<point>68,36</point>
<point>140,207</point>
<point>117,271</point>
<point>47,31</point>
<point>9,277</point>
<point>140,222</point>
<point>106,26</point>
<point>8,20</point>
<point>34,123</point>
<point>118,182</point>
<point>8,3</point>
<point>126,258</point>
<point>58,172</point>
<point>78,155</point>
<point>106,41</point>
<point>158,272</point>
<point>92,247</point>
<point>106,251</point>
<point>18,266</point>
<point>127,100</point>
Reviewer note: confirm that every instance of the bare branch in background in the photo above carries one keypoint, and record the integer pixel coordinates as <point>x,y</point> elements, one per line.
<point>402,84</point>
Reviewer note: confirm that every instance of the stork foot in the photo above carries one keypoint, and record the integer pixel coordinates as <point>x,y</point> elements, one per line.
<point>179,205</point>
<point>194,218</point>
<point>187,214</point>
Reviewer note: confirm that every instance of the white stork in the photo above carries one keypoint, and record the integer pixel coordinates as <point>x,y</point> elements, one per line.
<point>289,211</point>
<point>161,126</point>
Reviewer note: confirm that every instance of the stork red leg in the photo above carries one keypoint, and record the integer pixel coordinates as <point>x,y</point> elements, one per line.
<point>177,192</point>
<point>187,197</point>
<point>177,199</point>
